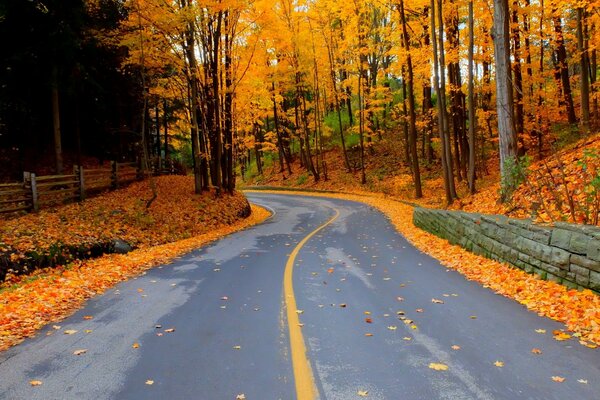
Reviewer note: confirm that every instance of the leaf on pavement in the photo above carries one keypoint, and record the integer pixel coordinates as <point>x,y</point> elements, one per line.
<point>70,331</point>
<point>558,379</point>
<point>170,330</point>
<point>392,327</point>
<point>136,345</point>
<point>363,393</point>
<point>438,366</point>
<point>368,320</point>
<point>88,317</point>
<point>499,364</point>
<point>536,351</point>
<point>561,336</point>
<point>149,382</point>
<point>542,331</point>
<point>455,347</point>
<point>240,396</point>
<point>437,301</point>
<point>35,383</point>
<point>80,352</point>
<point>583,381</point>
<point>237,347</point>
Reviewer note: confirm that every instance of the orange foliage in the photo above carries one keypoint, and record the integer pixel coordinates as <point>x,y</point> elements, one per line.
<point>52,294</point>
<point>177,213</point>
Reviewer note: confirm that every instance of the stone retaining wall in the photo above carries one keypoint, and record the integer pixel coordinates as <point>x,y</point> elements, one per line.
<point>565,253</point>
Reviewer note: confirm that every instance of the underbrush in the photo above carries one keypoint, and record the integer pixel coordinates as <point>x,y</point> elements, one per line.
<point>116,221</point>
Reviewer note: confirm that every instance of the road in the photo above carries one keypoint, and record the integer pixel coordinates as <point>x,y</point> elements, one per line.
<point>213,324</point>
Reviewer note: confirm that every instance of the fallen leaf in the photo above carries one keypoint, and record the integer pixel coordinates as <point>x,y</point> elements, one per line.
<point>368,334</point>
<point>170,330</point>
<point>363,393</point>
<point>300,311</point>
<point>558,379</point>
<point>540,331</point>
<point>135,345</point>
<point>330,270</point>
<point>584,381</point>
<point>88,331</point>
<point>436,301</point>
<point>455,347</point>
<point>561,336</point>
<point>80,352</point>
<point>499,364</point>
<point>406,338</point>
<point>368,320</point>
<point>343,305</point>
<point>438,366</point>
<point>140,290</point>
<point>588,344</point>
<point>367,312</point>
<point>386,279</point>
<point>392,328</point>
<point>536,351</point>
<point>419,310</point>
<point>240,396</point>
<point>473,316</point>
<point>149,382</point>
<point>56,327</point>
<point>224,298</point>
<point>35,383</point>
<point>88,317</point>
<point>400,298</point>
<point>237,347</point>
<point>70,331</point>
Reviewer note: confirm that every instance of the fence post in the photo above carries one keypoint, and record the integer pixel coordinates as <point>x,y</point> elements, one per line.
<point>29,179</point>
<point>114,174</point>
<point>78,169</point>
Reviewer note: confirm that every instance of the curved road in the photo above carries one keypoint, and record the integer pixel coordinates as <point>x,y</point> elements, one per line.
<point>361,320</point>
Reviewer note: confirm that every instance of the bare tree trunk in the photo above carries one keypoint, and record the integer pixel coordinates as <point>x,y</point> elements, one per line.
<point>471,174</point>
<point>504,98</point>
<point>562,69</point>
<point>584,71</point>
<point>56,122</point>
<point>441,111</point>
<point>411,105</point>
<point>442,100</point>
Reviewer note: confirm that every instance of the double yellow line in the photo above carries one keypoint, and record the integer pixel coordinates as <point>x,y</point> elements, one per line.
<point>303,376</point>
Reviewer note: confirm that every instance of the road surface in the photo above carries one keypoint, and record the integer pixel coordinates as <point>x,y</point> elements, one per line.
<point>358,297</point>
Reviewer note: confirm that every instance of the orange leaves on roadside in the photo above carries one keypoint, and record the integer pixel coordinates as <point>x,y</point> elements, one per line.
<point>28,304</point>
<point>578,310</point>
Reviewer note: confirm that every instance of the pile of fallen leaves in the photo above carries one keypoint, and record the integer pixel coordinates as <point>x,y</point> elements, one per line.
<point>578,310</point>
<point>89,229</point>
<point>29,302</point>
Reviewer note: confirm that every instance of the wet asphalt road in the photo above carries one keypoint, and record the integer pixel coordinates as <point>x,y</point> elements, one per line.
<point>226,305</point>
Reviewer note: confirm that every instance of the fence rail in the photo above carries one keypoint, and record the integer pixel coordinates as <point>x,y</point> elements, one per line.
<point>36,192</point>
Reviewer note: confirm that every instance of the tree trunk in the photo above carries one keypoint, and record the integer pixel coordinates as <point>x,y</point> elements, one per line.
<point>471,174</point>
<point>56,122</point>
<point>584,71</point>
<point>504,98</point>
<point>411,106</point>
<point>441,111</point>
<point>442,100</point>
<point>562,69</point>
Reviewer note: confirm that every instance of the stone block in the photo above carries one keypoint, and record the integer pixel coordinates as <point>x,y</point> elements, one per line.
<point>561,238</point>
<point>593,249</point>
<point>585,262</point>
<point>594,280</point>
<point>578,270</point>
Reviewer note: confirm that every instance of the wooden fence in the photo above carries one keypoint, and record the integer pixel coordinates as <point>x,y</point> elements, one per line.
<point>37,192</point>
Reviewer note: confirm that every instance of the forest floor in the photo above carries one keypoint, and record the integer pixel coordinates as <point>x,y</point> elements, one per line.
<point>67,238</point>
<point>563,186</point>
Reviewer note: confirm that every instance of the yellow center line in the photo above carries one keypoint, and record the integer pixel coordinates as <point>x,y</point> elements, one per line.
<point>303,376</point>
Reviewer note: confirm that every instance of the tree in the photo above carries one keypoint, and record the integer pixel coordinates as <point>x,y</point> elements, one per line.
<point>504,98</point>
